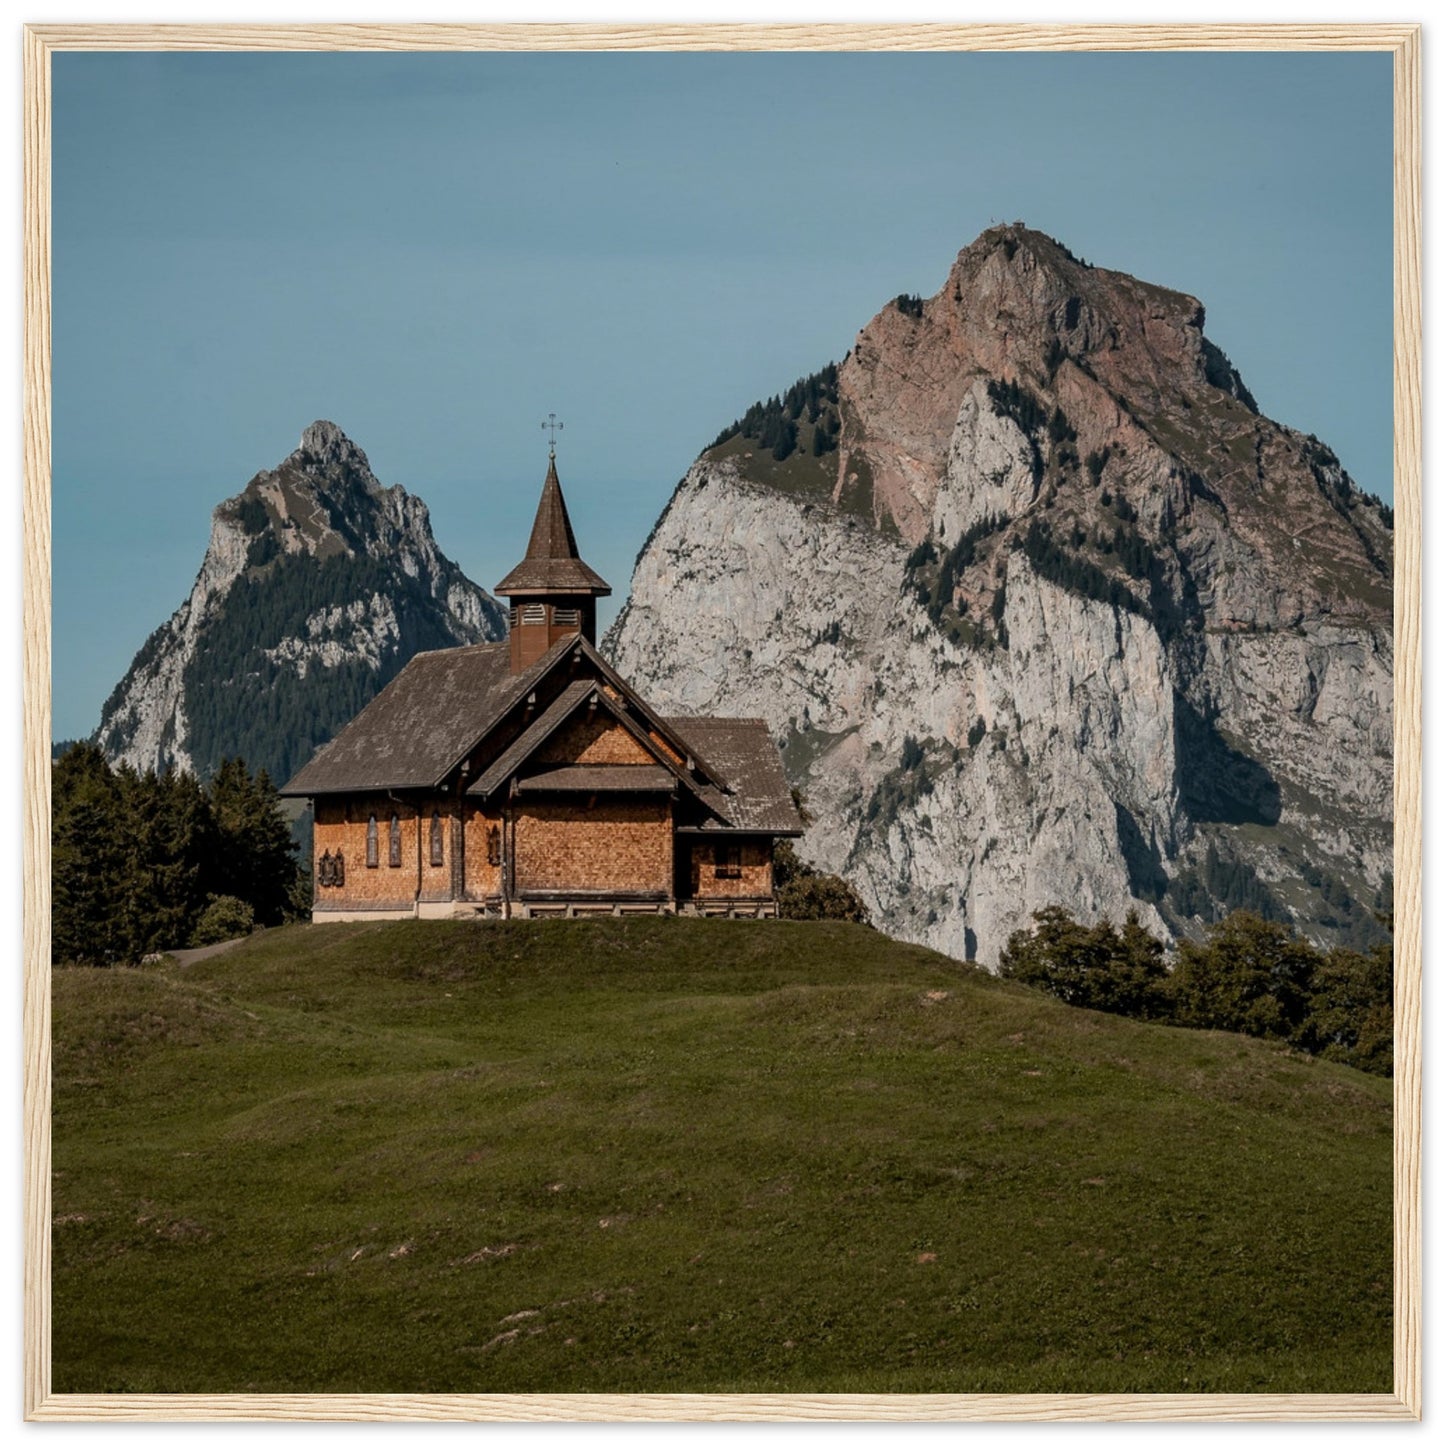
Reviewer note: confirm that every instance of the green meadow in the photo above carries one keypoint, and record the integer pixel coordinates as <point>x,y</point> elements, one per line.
<point>693,1155</point>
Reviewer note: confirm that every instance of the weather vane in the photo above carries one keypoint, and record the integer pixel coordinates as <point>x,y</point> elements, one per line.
<point>554,426</point>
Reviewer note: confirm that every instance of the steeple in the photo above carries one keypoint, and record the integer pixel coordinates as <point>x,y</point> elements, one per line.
<point>556,592</point>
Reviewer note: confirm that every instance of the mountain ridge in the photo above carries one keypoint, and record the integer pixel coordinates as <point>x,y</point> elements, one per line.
<point>314,570</point>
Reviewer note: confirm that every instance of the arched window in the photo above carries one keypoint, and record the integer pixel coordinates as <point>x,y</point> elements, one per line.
<point>371,845</point>
<point>338,870</point>
<point>323,870</point>
<point>394,848</point>
<point>436,839</point>
<point>494,847</point>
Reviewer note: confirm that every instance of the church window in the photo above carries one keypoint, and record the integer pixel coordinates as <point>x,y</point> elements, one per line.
<point>323,870</point>
<point>494,847</point>
<point>436,840</point>
<point>338,870</point>
<point>371,846</point>
<point>394,842</point>
<point>727,860</point>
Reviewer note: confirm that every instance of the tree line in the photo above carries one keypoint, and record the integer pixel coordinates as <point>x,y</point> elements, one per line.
<point>145,862</point>
<point>1249,975</point>
<point>773,424</point>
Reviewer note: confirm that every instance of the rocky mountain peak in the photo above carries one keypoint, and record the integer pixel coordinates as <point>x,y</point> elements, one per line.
<point>324,445</point>
<point>1042,609</point>
<point>318,584</point>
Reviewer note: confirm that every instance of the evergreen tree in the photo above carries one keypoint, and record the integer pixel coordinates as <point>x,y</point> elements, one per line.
<point>137,858</point>
<point>86,859</point>
<point>255,852</point>
<point>1252,976</point>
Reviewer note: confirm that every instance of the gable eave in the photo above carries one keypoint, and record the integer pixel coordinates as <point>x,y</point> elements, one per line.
<point>524,683</point>
<point>497,777</point>
<point>665,729</point>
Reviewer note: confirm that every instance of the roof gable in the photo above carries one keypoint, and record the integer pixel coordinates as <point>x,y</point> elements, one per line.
<point>443,705</point>
<point>408,734</point>
<point>574,697</point>
<point>758,797</point>
<point>421,725</point>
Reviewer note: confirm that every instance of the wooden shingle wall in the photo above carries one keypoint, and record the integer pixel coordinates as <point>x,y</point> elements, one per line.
<point>617,845</point>
<point>754,868</point>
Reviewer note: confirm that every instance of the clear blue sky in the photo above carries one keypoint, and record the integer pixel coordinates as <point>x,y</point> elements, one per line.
<point>435,251</point>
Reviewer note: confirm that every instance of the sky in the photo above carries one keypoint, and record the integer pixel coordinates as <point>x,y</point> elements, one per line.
<point>436,251</point>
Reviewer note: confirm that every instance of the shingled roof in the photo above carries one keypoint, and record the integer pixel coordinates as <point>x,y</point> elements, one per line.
<point>417,728</point>
<point>600,778</point>
<point>758,798</point>
<point>442,704</point>
<point>552,563</point>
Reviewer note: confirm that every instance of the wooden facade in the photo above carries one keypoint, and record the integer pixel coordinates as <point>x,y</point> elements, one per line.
<point>526,778</point>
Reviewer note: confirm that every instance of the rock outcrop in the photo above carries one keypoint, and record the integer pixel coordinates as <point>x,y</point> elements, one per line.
<point>1042,610</point>
<point>317,585</point>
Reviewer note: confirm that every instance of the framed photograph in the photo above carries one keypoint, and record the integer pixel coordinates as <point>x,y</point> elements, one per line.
<point>722,722</point>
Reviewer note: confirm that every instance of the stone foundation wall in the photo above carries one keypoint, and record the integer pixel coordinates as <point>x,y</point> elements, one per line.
<point>618,845</point>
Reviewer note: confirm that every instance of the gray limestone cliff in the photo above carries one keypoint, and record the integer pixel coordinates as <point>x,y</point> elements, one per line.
<point>1042,610</point>
<point>317,586</point>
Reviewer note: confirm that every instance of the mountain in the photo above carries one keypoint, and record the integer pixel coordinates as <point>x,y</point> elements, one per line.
<point>317,586</point>
<point>1043,610</point>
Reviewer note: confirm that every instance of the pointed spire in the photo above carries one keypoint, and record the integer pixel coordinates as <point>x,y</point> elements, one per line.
<point>552,563</point>
<point>552,535</point>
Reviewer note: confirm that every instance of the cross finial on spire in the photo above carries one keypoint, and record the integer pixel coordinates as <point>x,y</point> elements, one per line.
<point>554,426</point>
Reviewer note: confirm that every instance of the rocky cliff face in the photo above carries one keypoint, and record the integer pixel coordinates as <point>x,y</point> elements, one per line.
<point>1042,610</point>
<point>317,585</point>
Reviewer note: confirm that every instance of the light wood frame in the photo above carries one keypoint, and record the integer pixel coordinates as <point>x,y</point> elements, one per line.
<point>1403,42</point>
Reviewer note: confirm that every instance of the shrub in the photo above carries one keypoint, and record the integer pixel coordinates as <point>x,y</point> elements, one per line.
<point>1099,967</point>
<point>821,895</point>
<point>1251,975</point>
<point>224,917</point>
<point>804,892</point>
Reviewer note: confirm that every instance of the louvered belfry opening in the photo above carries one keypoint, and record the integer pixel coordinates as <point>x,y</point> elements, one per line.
<point>552,590</point>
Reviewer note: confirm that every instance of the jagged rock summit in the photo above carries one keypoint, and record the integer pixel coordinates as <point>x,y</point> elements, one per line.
<point>1045,611</point>
<point>317,585</point>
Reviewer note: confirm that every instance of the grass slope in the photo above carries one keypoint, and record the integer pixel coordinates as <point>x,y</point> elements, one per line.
<point>691,1155</point>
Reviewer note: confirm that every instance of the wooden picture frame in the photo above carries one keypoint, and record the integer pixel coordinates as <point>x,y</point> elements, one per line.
<point>1404,44</point>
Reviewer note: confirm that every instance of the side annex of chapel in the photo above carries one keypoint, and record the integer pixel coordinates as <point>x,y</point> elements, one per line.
<point>525,778</point>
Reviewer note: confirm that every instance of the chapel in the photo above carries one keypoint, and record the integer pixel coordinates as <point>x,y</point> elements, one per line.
<point>526,778</point>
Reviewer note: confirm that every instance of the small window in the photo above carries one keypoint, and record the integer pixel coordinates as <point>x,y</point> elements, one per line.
<point>727,860</point>
<point>436,840</point>
<point>534,612</point>
<point>371,843</point>
<point>394,846</point>
<point>323,870</point>
<point>338,870</point>
<point>494,847</point>
<point>567,617</point>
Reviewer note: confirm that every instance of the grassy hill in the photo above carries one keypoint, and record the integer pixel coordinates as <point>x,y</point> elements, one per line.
<point>691,1155</point>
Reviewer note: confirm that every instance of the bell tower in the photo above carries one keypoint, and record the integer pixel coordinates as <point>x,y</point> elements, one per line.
<point>552,590</point>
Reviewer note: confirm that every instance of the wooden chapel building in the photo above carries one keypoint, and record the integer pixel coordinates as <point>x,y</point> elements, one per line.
<point>525,778</point>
